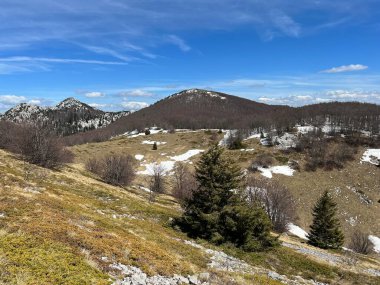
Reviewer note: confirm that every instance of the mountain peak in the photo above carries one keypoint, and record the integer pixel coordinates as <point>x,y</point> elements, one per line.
<point>199,93</point>
<point>71,103</point>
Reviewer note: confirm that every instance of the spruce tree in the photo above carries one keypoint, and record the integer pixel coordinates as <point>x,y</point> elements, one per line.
<point>325,231</point>
<point>154,146</point>
<point>217,212</point>
<point>216,177</point>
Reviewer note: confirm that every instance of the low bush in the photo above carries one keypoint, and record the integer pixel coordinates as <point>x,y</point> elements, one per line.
<point>113,169</point>
<point>262,160</point>
<point>360,243</point>
<point>35,144</point>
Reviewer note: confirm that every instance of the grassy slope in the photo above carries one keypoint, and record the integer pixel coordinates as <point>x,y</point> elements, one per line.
<point>58,226</point>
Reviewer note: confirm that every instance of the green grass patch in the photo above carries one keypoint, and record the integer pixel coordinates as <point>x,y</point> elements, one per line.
<point>28,260</point>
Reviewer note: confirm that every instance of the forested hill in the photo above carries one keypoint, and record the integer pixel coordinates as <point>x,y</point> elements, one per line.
<point>197,109</point>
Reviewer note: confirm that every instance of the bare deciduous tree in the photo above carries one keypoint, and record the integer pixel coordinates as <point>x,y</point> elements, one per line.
<point>38,145</point>
<point>185,182</point>
<point>360,243</point>
<point>157,182</point>
<point>276,199</point>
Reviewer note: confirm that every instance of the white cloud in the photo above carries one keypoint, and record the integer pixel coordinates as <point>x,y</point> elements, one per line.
<point>97,105</point>
<point>136,93</point>
<point>274,100</point>
<point>134,105</point>
<point>353,94</point>
<point>94,94</point>
<point>35,102</point>
<point>175,40</point>
<point>12,99</point>
<point>303,97</point>
<point>322,100</point>
<point>345,68</point>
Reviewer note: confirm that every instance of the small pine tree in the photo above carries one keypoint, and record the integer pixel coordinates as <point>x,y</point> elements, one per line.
<point>154,146</point>
<point>147,132</point>
<point>325,231</point>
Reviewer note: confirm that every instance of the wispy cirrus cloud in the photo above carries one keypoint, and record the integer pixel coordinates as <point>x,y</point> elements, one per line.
<point>59,60</point>
<point>135,93</point>
<point>346,68</point>
<point>180,43</point>
<point>144,23</point>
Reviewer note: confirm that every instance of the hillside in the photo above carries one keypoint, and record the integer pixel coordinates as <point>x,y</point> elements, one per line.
<point>68,117</point>
<point>67,227</point>
<point>197,109</point>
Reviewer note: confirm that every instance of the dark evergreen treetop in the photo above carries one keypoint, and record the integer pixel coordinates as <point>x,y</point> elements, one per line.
<point>325,231</point>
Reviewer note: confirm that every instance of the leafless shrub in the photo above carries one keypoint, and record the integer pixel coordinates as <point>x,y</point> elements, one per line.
<point>293,164</point>
<point>262,160</point>
<point>185,182</point>
<point>360,243</point>
<point>113,169</point>
<point>38,145</point>
<point>157,182</point>
<point>93,165</point>
<point>214,138</point>
<point>276,199</point>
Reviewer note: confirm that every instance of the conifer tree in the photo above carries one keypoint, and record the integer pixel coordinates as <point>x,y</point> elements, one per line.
<point>325,231</point>
<point>216,177</point>
<point>154,146</point>
<point>217,212</point>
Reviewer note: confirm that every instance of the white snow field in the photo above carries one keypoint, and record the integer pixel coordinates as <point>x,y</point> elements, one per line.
<point>297,231</point>
<point>281,169</point>
<point>370,155</point>
<point>168,165</point>
<point>186,155</point>
<point>165,166</point>
<point>152,142</point>
<point>376,243</point>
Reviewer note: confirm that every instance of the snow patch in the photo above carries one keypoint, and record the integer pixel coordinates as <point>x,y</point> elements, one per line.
<point>152,142</point>
<point>254,136</point>
<point>187,155</point>
<point>139,157</point>
<point>305,129</point>
<point>297,231</point>
<point>281,169</point>
<point>371,155</point>
<point>165,166</point>
<point>376,242</point>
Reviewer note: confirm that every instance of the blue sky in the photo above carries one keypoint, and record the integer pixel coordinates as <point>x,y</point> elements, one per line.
<point>116,54</point>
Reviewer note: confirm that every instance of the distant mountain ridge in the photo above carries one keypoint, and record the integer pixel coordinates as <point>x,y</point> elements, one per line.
<point>68,117</point>
<point>198,108</point>
<point>205,109</point>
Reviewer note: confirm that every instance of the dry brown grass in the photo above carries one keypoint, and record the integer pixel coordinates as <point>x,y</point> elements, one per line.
<point>83,219</point>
